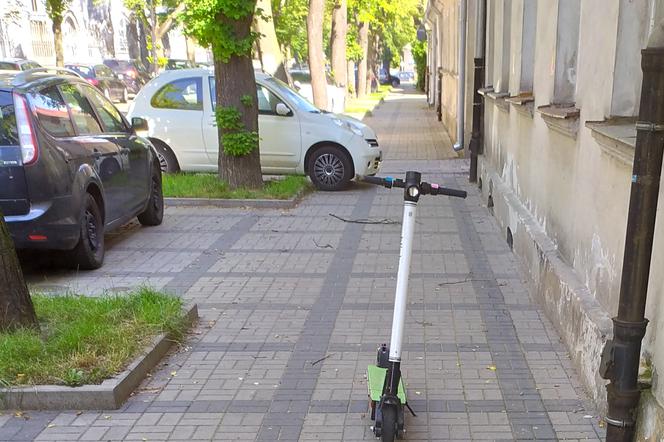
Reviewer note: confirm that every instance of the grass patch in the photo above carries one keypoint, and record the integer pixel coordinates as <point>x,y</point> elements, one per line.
<point>208,185</point>
<point>84,340</point>
<point>367,103</point>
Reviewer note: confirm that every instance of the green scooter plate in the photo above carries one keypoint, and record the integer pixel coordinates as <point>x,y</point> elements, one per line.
<point>376,380</point>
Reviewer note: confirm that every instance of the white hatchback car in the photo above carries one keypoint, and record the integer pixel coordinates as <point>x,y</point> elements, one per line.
<point>295,136</point>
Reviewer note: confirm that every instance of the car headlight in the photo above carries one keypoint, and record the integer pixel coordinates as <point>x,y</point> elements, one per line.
<point>356,130</point>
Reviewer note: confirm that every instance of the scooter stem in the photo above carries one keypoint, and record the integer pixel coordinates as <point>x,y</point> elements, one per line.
<point>401,296</point>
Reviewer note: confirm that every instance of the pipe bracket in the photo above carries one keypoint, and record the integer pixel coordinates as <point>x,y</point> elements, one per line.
<point>649,127</point>
<point>617,422</point>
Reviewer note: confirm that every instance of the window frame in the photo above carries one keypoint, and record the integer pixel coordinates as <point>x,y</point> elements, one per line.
<point>85,89</point>
<point>71,117</point>
<point>33,109</point>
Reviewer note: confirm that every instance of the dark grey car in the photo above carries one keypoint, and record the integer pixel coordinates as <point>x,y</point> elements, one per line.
<point>71,167</point>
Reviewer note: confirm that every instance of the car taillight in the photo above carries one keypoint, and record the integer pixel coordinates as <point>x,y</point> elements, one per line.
<point>26,133</point>
<point>132,73</point>
<point>92,81</point>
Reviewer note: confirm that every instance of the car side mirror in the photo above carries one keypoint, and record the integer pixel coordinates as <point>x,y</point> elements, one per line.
<point>139,124</point>
<point>283,110</point>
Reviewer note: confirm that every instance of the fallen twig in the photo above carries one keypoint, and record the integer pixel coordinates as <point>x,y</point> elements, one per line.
<point>326,246</point>
<point>322,359</point>
<point>365,221</point>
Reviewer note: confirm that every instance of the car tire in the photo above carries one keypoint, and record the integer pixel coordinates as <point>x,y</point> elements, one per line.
<point>89,252</point>
<point>168,162</point>
<point>330,168</point>
<point>154,212</point>
<point>396,82</point>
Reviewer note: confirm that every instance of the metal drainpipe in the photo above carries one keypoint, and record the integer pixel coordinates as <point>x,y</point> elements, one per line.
<point>478,103</point>
<point>621,355</point>
<point>461,91</point>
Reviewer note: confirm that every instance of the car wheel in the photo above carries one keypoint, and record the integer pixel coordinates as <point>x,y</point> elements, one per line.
<point>89,252</point>
<point>154,212</point>
<point>396,83</point>
<point>330,168</point>
<point>125,96</point>
<point>168,163</point>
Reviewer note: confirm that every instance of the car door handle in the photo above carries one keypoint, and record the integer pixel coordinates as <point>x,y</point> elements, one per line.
<point>96,154</point>
<point>125,150</point>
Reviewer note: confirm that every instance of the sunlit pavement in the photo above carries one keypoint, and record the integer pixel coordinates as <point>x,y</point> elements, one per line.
<point>293,304</point>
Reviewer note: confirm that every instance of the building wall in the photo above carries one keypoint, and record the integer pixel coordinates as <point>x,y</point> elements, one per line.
<point>561,187</point>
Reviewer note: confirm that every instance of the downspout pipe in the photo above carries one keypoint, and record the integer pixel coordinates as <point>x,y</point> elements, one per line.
<point>461,84</point>
<point>478,102</point>
<point>621,355</point>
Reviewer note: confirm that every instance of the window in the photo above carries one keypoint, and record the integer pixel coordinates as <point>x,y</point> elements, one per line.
<point>267,101</point>
<point>633,29</point>
<point>528,39</point>
<point>183,94</point>
<point>111,120</point>
<point>567,49</point>
<point>82,114</point>
<point>103,71</point>
<point>501,46</point>
<point>42,42</point>
<point>52,112</point>
<point>8,131</point>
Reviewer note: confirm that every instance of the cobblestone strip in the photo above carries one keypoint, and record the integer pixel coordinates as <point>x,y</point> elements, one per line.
<point>525,409</point>
<point>285,417</point>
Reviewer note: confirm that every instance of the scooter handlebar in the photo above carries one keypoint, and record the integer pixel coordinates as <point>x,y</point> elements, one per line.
<point>435,189</point>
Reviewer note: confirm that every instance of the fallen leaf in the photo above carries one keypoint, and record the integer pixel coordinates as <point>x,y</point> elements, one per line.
<point>491,367</point>
<point>174,373</point>
<point>50,425</point>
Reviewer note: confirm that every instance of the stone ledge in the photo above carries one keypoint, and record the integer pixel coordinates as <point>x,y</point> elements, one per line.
<point>583,324</point>
<point>561,118</point>
<point>109,395</point>
<point>524,103</point>
<point>616,137</point>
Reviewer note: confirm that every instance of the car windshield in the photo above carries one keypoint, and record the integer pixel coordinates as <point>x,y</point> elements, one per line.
<point>292,96</point>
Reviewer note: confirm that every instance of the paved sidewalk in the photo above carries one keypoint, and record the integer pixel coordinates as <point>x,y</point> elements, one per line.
<point>294,303</point>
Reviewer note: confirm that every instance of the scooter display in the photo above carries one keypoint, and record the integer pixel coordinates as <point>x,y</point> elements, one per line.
<point>387,394</point>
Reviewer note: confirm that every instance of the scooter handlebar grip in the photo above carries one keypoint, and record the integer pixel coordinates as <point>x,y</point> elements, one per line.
<point>437,190</point>
<point>373,180</point>
<point>452,192</point>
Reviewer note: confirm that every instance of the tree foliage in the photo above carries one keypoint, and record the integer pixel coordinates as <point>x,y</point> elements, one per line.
<point>420,56</point>
<point>55,10</point>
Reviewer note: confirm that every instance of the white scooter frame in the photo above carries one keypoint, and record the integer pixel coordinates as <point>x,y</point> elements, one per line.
<point>386,392</point>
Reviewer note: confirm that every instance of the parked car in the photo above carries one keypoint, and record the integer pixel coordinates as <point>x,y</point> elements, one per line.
<point>173,64</point>
<point>384,77</point>
<point>71,167</point>
<point>17,64</point>
<point>406,75</point>
<point>295,136</point>
<point>104,79</point>
<point>132,73</point>
<point>336,96</point>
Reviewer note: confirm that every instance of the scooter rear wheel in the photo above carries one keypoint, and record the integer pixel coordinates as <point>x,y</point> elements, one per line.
<point>389,426</point>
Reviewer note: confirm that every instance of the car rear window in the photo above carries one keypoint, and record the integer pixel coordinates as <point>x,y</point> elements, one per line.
<point>52,112</point>
<point>7,66</point>
<point>184,94</point>
<point>8,132</point>
<point>83,70</point>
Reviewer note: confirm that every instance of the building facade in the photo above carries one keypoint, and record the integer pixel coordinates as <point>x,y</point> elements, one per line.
<point>92,30</point>
<point>561,91</point>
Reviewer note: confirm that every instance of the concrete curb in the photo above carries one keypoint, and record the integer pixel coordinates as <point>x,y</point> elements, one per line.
<point>109,395</point>
<point>236,203</point>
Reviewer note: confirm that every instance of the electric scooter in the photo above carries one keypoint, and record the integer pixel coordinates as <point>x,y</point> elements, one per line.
<point>387,395</point>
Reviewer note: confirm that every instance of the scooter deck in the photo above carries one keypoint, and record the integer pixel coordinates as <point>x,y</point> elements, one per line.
<point>376,381</point>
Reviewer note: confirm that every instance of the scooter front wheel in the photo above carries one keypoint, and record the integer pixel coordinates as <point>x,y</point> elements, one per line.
<point>389,426</point>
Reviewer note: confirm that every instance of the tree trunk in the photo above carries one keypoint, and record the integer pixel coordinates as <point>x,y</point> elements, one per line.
<point>235,79</point>
<point>316,55</point>
<point>191,49</point>
<point>272,59</point>
<point>338,42</point>
<point>153,37</point>
<point>350,77</point>
<point>16,309</point>
<point>362,67</point>
<point>57,40</point>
